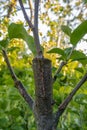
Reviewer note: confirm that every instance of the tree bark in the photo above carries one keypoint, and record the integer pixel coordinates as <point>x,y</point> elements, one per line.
<point>43,93</point>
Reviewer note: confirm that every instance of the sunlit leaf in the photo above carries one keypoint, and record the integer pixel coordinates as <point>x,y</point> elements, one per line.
<point>18,31</point>
<point>57,51</point>
<point>66,29</point>
<point>79,56</point>
<point>13,49</point>
<point>78,33</point>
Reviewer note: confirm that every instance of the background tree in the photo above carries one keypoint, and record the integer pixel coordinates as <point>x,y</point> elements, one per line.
<point>71,66</point>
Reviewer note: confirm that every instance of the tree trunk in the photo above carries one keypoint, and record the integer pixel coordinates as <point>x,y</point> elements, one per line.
<point>43,93</point>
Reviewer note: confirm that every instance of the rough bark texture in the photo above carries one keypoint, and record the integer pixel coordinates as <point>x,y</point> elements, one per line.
<point>43,93</point>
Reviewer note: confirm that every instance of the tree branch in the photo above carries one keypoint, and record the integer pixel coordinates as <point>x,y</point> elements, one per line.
<point>34,28</point>
<point>36,6</point>
<point>17,82</point>
<point>58,71</point>
<point>63,63</point>
<point>25,15</point>
<point>30,4</point>
<point>10,8</point>
<point>65,103</point>
<point>36,35</point>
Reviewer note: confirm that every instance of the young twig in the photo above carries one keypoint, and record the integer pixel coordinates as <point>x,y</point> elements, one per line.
<point>36,35</point>
<point>30,5</point>
<point>36,6</point>
<point>17,82</point>
<point>33,27</point>
<point>63,63</point>
<point>65,103</point>
<point>25,15</point>
<point>58,71</point>
<point>68,57</point>
<point>10,8</point>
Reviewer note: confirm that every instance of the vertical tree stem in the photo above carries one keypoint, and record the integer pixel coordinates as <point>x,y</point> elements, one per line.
<point>43,93</point>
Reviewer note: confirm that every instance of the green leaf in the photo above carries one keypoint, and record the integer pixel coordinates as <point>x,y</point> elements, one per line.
<point>3,122</point>
<point>79,69</point>
<point>85,1</point>
<point>13,49</point>
<point>66,30</point>
<point>15,112</point>
<point>31,44</point>
<point>68,50</point>
<point>78,33</point>
<point>17,127</point>
<point>79,56</point>
<point>57,51</point>
<point>18,31</point>
<point>4,43</point>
